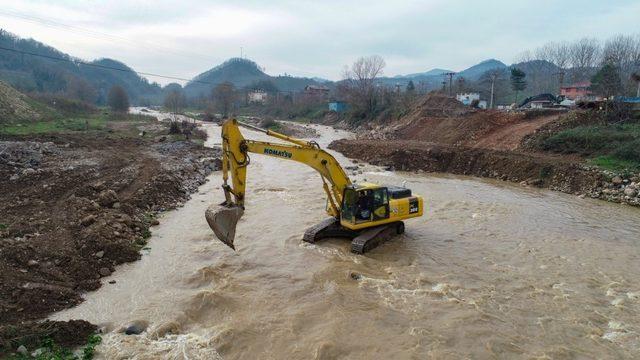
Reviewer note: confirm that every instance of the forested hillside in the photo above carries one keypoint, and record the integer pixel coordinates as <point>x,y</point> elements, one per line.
<point>52,71</point>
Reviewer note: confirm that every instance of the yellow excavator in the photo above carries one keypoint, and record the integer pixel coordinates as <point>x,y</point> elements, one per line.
<point>365,212</point>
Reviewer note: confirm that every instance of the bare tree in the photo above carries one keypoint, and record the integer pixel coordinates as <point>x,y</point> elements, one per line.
<point>224,95</point>
<point>623,52</point>
<point>175,101</point>
<point>545,52</point>
<point>359,83</point>
<point>557,53</point>
<point>585,54</point>
<point>619,51</point>
<point>525,56</point>
<point>539,71</point>
<point>561,55</point>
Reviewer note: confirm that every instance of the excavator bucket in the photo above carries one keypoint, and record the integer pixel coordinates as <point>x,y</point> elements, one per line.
<point>222,220</point>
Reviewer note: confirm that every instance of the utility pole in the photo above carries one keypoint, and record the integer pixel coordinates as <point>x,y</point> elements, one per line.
<point>493,85</point>
<point>241,53</point>
<point>450,75</point>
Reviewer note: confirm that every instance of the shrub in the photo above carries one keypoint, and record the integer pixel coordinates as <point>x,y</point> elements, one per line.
<point>199,133</point>
<point>588,140</point>
<point>267,123</point>
<point>65,105</point>
<point>629,151</point>
<point>174,128</point>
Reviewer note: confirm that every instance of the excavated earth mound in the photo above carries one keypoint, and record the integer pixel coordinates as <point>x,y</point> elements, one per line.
<point>441,119</point>
<point>14,106</point>
<point>75,206</point>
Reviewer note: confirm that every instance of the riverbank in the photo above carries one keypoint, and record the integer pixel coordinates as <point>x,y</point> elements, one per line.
<point>75,205</point>
<point>565,174</point>
<point>579,152</point>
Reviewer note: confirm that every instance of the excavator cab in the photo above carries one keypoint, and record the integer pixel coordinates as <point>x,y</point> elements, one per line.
<point>366,205</point>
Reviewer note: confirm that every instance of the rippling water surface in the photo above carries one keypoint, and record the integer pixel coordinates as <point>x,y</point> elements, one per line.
<point>494,270</point>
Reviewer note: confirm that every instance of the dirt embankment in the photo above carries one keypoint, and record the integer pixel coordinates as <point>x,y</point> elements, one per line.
<point>73,207</point>
<point>439,134</point>
<point>15,106</point>
<point>441,119</point>
<point>543,171</point>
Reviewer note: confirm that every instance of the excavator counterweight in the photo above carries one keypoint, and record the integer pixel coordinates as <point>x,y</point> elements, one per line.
<point>367,213</point>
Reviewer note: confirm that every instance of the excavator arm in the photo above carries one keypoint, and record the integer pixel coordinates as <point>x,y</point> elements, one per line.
<point>235,160</point>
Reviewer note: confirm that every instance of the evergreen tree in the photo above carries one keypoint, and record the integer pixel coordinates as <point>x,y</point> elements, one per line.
<point>606,81</point>
<point>410,86</point>
<point>118,100</point>
<point>518,82</point>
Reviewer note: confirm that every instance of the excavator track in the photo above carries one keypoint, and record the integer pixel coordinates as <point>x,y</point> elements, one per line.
<point>371,238</point>
<point>363,240</point>
<point>327,228</point>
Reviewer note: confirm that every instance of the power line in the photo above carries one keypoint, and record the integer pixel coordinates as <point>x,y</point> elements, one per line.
<point>77,61</point>
<point>450,75</point>
<point>97,34</point>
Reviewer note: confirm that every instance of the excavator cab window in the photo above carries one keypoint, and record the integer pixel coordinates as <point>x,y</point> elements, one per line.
<point>349,205</point>
<point>380,204</point>
<point>365,205</point>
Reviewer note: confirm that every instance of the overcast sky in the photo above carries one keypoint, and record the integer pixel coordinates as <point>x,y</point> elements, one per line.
<point>311,38</point>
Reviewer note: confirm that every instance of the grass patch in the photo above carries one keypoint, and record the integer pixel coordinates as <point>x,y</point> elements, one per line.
<point>53,351</point>
<point>545,172</point>
<point>54,126</point>
<point>612,163</point>
<point>87,122</point>
<point>612,147</point>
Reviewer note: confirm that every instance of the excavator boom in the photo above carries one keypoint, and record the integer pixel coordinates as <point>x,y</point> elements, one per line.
<point>223,218</point>
<point>365,212</point>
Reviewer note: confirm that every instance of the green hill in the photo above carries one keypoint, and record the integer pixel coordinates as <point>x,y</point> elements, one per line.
<point>29,73</point>
<point>241,73</point>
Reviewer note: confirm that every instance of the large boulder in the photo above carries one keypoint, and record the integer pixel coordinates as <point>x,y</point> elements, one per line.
<point>107,198</point>
<point>630,191</point>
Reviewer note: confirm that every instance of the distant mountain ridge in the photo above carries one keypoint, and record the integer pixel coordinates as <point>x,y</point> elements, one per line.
<point>32,73</point>
<point>242,73</point>
<point>433,78</point>
<point>474,72</point>
<point>432,72</point>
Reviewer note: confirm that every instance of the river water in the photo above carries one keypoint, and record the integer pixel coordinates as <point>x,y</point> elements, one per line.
<point>493,270</point>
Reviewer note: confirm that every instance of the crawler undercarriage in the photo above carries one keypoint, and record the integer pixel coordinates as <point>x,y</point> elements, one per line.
<point>361,241</point>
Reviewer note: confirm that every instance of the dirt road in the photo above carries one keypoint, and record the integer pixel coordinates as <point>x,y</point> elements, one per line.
<point>493,271</point>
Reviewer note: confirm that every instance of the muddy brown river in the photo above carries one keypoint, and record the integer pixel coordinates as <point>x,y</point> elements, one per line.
<point>494,270</point>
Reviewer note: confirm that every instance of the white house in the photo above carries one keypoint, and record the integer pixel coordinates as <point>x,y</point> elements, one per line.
<point>257,96</point>
<point>467,98</point>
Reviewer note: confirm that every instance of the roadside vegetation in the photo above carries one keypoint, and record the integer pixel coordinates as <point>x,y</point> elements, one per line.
<point>83,122</point>
<point>49,350</point>
<point>614,147</point>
